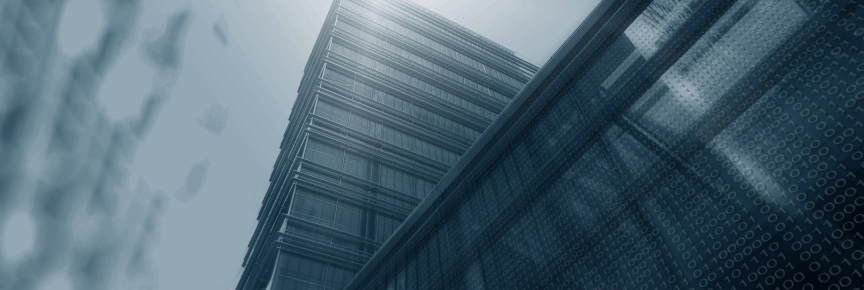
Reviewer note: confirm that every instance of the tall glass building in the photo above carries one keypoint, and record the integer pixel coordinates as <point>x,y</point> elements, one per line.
<point>669,144</point>
<point>392,97</point>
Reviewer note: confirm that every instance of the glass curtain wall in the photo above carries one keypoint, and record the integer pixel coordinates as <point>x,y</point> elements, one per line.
<point>391,98</point>
<point>702,145</point>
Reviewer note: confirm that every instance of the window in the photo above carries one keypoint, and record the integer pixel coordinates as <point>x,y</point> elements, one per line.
<point>408,79</point>
<point>341,116</point>
<point>339,79</point>
<point>324,154</point>
<point>385,227</point>
<point>338,278</point>
<point>397,180</point>
<point>314,208</point>
<point>297,272</point>
<point>364,125</point>
<point>332,113</point>
<point>424,41</point>
<point>348,219</point>
<point>424,187</point>
<point>327,211</point>
<point>355,165</point>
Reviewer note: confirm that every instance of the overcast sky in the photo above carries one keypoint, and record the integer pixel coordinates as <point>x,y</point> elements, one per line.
<point>212,146</point>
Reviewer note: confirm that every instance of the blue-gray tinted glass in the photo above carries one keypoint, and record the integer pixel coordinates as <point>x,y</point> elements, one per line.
<point>704,145</point>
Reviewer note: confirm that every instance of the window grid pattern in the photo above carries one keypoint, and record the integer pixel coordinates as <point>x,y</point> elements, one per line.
<point>327,211</point>
<point>404,182</point>
<point>341,182</point>
<point>296,272</point>
<point>454,24</point>
<point>422,61</point>
<point>384,227</point>
<point>386,133</point>
<point>414,82</point>
<point>389,177</point>
<point>398,28</point>
<point>401,105</point>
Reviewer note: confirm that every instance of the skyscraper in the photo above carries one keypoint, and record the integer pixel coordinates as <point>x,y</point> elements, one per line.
<point>669,144</point>
<point>392,96</point>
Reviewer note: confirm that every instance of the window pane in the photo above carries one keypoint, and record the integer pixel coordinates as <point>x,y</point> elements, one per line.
<point>324,154</point>
<point>295,272</point>
<point>338,277</point>
<point>314,208</point>
<point>332,113</point>
<point>348,218</point>
<point>355,165</point>
<point>397,180</point>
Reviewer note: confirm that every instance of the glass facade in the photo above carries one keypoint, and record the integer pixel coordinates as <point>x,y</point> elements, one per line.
<point>385,108</point>
<point>670,144</point>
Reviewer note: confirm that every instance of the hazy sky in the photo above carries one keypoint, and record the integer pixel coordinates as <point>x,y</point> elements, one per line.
<point>211,149</point>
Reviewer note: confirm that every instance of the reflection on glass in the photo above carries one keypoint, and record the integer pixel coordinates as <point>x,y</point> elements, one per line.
<point>706,145</point>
